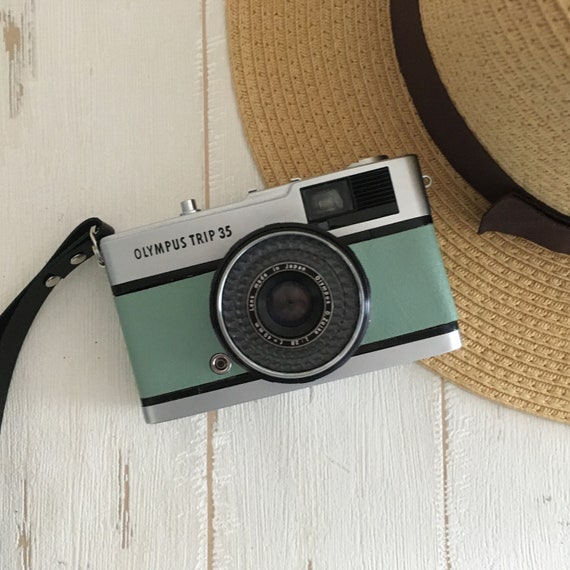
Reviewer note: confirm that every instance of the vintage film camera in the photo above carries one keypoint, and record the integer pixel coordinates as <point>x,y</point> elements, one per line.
<point>308,282</point>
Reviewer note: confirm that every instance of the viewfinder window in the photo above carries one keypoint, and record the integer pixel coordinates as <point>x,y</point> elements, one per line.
<point>326,200</point>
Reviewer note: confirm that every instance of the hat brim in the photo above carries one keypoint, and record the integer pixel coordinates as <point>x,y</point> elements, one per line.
<point>318,87</point>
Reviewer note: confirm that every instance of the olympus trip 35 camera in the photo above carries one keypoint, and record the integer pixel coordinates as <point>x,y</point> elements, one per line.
<point>312,281</point>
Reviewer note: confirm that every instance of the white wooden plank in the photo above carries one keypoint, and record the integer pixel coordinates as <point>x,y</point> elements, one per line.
<point>345,475</point>
<point>508,493</point>
<point>109,123</point>
<point>17,20</point>
<point>232,169</point>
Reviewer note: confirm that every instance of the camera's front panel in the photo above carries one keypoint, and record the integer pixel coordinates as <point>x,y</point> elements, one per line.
<point>171,340</point>
<point>411,299</point>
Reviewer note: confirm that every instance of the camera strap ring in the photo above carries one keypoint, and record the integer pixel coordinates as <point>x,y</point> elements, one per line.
<point>17,319</point>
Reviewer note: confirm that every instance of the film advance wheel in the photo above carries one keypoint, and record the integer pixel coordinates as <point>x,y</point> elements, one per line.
<point>290,302</point>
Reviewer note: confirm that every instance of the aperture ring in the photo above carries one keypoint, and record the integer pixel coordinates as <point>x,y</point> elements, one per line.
<point>304,246</point>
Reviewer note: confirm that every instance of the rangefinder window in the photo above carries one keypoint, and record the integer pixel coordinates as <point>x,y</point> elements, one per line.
<point>351,200</point>
<point>323,201</point>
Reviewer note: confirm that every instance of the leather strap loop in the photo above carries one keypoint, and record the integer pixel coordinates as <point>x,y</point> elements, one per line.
<point>17,319</point>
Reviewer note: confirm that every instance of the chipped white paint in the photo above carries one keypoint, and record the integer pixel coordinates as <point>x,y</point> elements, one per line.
<point>18,34</point>
<point>25,535</point>
<point>124,524</point>
<point>388,470</point>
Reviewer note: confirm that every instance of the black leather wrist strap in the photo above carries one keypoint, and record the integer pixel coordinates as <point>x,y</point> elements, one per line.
<point>16,320</point>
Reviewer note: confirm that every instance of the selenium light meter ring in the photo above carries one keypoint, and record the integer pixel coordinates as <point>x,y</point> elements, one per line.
<point>363,301</point>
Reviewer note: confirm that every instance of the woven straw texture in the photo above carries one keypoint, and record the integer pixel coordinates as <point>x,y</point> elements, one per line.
<point>508,74</point>
<point>318,87</point>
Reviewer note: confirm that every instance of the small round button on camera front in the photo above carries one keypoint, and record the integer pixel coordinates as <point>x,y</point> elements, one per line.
<point>220,363</point>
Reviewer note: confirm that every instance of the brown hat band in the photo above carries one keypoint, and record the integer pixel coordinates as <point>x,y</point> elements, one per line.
<point>515,211</point>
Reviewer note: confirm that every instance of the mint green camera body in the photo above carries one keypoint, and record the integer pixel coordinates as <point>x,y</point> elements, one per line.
<point>162,278</point>
<point>170,340</point>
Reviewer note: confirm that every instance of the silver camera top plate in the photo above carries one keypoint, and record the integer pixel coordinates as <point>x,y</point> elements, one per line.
<point>205,236</point>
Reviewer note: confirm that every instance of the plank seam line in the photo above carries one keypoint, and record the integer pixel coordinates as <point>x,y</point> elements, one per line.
<point>445,483</point>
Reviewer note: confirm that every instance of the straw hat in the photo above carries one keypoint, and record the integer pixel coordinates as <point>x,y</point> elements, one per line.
<point>319,85</point>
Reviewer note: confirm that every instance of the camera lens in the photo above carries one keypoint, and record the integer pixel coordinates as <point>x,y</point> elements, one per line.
<point>290,302</point>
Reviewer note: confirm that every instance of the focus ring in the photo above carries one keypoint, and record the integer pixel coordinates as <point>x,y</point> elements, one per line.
<point>296,246</point>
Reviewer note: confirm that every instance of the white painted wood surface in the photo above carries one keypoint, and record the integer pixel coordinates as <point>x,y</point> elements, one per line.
<point>122,109</point>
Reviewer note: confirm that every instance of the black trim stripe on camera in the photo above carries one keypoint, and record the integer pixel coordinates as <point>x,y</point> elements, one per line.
<point>163,278</point>
<point>202,389</point>
<point>390,229</point>
<point>210,266</point>
<point>423,334</point>
<point>409,337</point>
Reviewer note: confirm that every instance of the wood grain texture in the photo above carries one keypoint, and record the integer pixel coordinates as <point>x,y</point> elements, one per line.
<point>18,34</point>
<point>344,475</point>
<point>126,109</point>
<point>508,491</point>
<point>110,125</point>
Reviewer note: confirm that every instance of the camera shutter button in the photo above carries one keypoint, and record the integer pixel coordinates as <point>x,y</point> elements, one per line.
<point>188,207</point>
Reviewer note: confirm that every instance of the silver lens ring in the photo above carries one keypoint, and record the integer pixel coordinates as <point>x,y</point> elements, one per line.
<point>301,357</point>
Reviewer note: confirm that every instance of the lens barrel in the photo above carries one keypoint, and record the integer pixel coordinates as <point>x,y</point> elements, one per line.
<point>290,302</point>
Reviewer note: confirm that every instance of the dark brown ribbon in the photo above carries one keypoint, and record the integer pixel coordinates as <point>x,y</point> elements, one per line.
<point>514,210</point>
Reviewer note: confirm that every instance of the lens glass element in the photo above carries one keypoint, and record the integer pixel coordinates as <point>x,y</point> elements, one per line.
<point>289,304</point>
